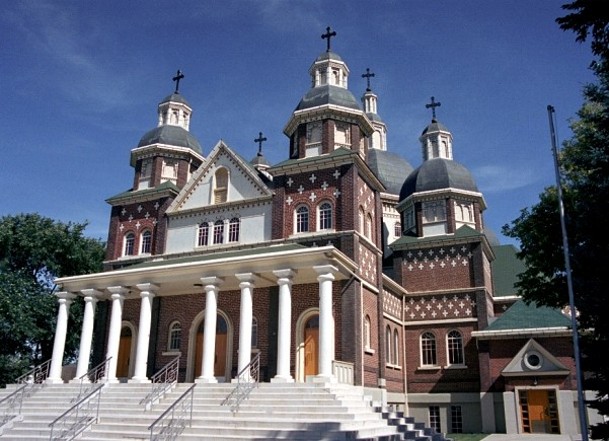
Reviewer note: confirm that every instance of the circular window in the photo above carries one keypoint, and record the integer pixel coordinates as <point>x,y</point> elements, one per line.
<point>533,360</point>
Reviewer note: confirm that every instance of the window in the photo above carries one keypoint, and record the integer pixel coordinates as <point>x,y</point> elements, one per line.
<point>362,216</point>
<point>456,419</point>
<point>218,232</point>
<point>146,170</point>
<point>396,348</point>
<point>175,336</point>
<point>434,212</point>
<point>170,171</point>
<point>369,226</point>
<point>367,332</point>
<point>454,344</point>
<point>254,333</point>
<point>325,216</point>
<point>203,238</point>
<point>146,242</point>
<point>129,245</point>
<point>302,219</point>
<point>388,345</point>
<point>233,229</point>
<point>342,136</point>
<point>221,186</point>
<point>428,349</point>
<point>397,229</point>
<point>314,132</point>
<point>434,418</point>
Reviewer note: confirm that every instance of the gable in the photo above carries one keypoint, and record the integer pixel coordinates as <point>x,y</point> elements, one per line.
<point>236,177</point>
<point>534,359</point>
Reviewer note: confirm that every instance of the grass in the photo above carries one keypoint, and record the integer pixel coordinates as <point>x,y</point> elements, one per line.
<point>466,436</point>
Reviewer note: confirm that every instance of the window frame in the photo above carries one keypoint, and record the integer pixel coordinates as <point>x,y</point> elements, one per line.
<point>218,232</point>
<point>174,343</point>
<point>129,244</point>
<point>146,242</point>
<point>234,229</point>
<point>455,354</point>
<point>301,219</point>
<point>203,234</point>
<point>428,350</point>
<point>221,184</point>
<point>325,212</point>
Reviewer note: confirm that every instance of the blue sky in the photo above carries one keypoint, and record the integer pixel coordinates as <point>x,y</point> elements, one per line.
<point>81,82</point>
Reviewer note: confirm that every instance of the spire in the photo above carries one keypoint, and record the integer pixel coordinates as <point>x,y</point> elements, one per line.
<point>378,139</point>
<point>259,162</point>
<point>436,139</point>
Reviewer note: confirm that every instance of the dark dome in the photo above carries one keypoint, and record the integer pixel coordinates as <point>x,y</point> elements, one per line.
<point>259,159</point>
<point>374,117</point>
<point>329,55</point>
<point>175,97</point>
<point>328,94</point>
<point>435,126</point>
<point>389,168</point>
<point>171,135</point>
<point>436,174</point>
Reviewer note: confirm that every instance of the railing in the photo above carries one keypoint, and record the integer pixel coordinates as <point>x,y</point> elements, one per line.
<point>172,422</point>
<point>36,375</point>
<point>246,381</point>
<point>162,382</point>
<point>89,380</point>
<point>343,371</point>
<point>10,406</point>
<point>77,418</point>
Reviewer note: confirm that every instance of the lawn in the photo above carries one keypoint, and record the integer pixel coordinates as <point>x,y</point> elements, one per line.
<point>466,436</point>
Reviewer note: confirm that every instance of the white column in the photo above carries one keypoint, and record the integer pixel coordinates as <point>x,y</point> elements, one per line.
<point>284,326</point>
<point>86,335</point>
<point>64,299</point>
<point>114,334</point>
<point>326,321</point>
<point>211,286</point>
<point>245,321</point>
<point>143,337</point>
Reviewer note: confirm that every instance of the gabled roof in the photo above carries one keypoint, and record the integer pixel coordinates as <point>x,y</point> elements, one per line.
<point>534,359</point>
<point>529,316</point>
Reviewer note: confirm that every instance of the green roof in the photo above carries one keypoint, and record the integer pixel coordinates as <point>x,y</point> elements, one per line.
<point>167,185</point>
<point>506,268</point>
<point>338,153</point>
<point>529,316</point>
<point>463,232</point>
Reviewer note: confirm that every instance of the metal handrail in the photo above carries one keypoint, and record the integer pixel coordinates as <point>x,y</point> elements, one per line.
<point>172,422</point>
<point>12,401</point>
<point>78,417</point>
<point>162,382</point>
<point>36,375</point>
<point>89,379</point>
<point>247,380</point>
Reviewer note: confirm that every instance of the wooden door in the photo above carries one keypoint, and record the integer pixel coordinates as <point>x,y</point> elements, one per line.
<point>538,413</point>
<point>311,346</point>
<point>124,354</point>
<point>221,344</point>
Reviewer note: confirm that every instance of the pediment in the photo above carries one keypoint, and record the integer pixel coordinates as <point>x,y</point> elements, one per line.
<point>244,182</point>
<point>534,359</point>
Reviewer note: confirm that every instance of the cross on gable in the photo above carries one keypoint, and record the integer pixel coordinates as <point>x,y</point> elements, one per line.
<point>327,36</point>
<point>260,140</point>
<point>433,106</point>
<point>177,78</point>
<point>367,76</point>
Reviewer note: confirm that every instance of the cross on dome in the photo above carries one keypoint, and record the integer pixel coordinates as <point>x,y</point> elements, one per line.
<point>328,35</point>
<point>433,106</point>
<point>260,140</point>
<point>368,75</point>
<point>177,78</point>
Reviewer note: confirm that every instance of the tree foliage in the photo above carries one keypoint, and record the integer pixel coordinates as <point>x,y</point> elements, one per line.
<point>34,250</point>
<point>584,165</point>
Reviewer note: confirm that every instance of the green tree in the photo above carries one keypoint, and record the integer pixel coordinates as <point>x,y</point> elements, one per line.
<point>584,163</point>
<point>34,250</point>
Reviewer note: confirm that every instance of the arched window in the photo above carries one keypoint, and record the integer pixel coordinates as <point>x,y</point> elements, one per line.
<point>203,234</point>
<point>302,219</point>
<point>233,229</point>
<point>146,242</point>
<point>129,244</point>
<point>396,348</point>
<point>367,327</point>
<point>325,216</point>
<point>175,337</point>
<point>454,345</point>
<point>428,350</point>
<point>397,229</point>
<point>218,232</point>
<point>221,186</point>
<point>362,216</point>
<point>369,226</point>
<point>254,333</point>
<point>388,356</point>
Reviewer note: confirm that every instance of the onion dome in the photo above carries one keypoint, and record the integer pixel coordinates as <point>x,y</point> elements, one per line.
<point>389,168</point>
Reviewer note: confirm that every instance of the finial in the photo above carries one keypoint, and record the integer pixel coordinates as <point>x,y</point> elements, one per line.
<point>367,75</point>
<point>433,106</point>
<point>329,34</point>
<point>260,140</point>
<point>177,78</point>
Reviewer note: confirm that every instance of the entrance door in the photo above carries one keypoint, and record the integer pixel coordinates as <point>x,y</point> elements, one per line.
<point>124,353</point>
<point>311,346</point>
<point>221,344</point>
<point>539,411</point>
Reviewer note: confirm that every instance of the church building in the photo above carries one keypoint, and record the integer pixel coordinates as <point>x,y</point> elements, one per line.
<point>340,264</point>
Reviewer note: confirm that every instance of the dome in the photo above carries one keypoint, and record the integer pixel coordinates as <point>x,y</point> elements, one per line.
<point>436,174</point>
<point>328,94</point>
<point>176,98</point>
<point>389,168</point>
<point>435,126</point>
<point>374,117</point>
<point>259,160</point>
<point>171,135</point>
<point>329,55</point>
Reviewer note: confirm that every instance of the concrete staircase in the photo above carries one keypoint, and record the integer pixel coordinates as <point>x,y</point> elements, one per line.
<point>274,411</point>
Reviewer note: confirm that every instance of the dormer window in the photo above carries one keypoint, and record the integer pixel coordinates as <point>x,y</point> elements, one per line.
<point>221,186</point>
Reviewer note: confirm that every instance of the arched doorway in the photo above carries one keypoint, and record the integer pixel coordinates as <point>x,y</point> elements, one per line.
<point>311,345</point>
<point>125,346</point>
<point>222,343</point>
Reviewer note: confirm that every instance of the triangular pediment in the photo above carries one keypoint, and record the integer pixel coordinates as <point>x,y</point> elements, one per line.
<point>534,359</point>
<point>243,183</point>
